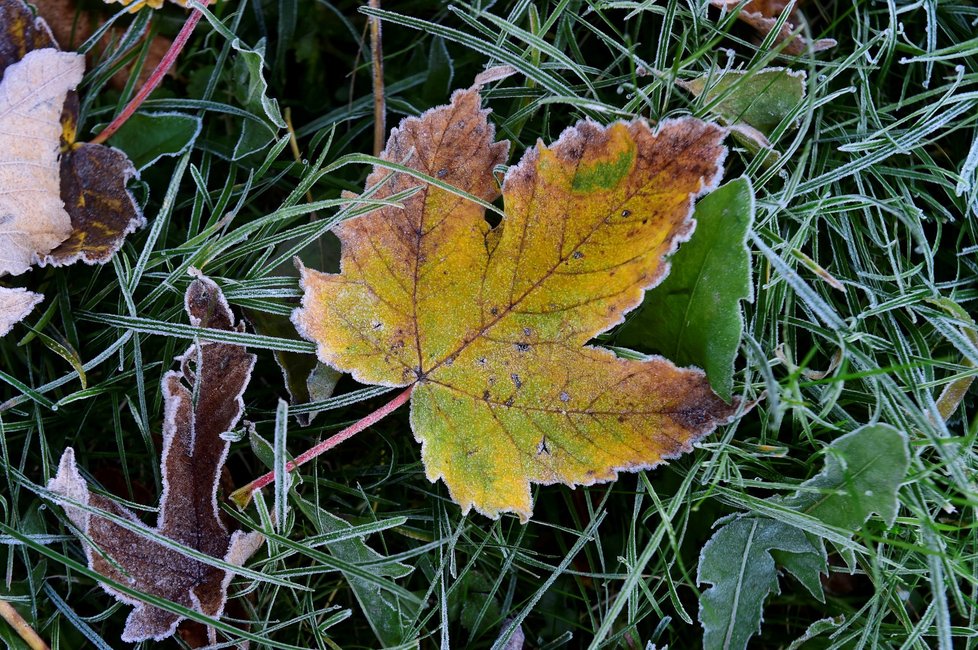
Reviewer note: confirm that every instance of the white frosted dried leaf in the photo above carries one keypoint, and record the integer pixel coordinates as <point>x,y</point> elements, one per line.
<point>15,305</point>
<point>202,401</point>
<point>33,220</point>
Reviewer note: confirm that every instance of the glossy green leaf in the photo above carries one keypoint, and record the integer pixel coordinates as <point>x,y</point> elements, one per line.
<point>694,316</point>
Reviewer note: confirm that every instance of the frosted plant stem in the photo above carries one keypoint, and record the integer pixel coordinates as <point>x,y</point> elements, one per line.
<point>21,626</point>
<point>154,79</point>
<point>242,496</point>
<point>377,59</point>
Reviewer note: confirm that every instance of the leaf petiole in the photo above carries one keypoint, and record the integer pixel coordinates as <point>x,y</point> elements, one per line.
<point>242,496</point>
<point>154,79</point>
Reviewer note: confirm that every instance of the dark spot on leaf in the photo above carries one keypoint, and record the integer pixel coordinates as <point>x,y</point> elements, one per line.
<point>481,361</point>
<point>485,395</point>
<point>442,173</point>
<point>564,397</point>
<point>527,331</point>
<point>577,255</point>
<point>522,347</point>
<point>516,380</point>
<point>509,402</point>
<point>542,447</point>
<point>494,311</point>
<point>626,213</point>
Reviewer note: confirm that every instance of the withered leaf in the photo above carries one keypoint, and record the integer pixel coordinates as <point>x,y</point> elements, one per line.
<point>32,216</point>
<point>491,325</point>
<point>15,305</point>
<point>202,400</point>
<point>93,187</point>
<point>763,16</point>
<point>89,182</point>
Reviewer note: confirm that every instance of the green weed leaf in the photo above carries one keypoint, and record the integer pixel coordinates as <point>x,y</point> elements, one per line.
<point>738,562</point>
<point>862,476</point>
<point>388,615</point>
<point>147,137</point>
<point>252,92</point>
<point>761,99</point>
<point>694,316</point>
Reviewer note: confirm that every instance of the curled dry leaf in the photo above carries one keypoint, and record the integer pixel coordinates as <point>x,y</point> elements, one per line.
<point>60,201</point>
<point>763,16</point>
<point>202,400</point>
<point>490,325</point>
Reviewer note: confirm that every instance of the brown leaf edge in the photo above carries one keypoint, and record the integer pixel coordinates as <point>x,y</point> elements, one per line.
<point>131,559</point>
<point>763,17</point>
<point>93,177</point>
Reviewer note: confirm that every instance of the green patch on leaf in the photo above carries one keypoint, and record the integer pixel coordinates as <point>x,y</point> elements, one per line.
<point>603,175</point>
<point>694,316</point>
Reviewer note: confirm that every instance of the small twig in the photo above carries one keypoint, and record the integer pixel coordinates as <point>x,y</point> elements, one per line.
<point>242,496</point>
<point>377,61</point>
<point>21,627</point>
<point>154,79</point>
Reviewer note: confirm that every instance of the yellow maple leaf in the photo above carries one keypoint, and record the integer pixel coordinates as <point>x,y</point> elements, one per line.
<point>490,325</point>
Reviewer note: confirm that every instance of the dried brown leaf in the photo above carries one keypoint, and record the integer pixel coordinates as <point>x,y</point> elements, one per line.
<point>202,400</point>
<point>763,16</point>
<point>53,212</point>
<point>33,220</point>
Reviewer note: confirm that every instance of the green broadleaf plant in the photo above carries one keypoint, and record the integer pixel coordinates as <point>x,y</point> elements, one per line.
<point>147,137</point>
<point>694,316</point>
<point>862,475</point>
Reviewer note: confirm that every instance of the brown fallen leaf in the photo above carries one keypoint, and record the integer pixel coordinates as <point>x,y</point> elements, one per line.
<point>763,16</point>
<point>202,400</point>
<point>60,201</point>
<point>33,220</point>
<point>93,187</point>
<point>489,326</point>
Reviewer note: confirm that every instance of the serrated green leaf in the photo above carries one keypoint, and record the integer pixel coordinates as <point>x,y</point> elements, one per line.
<point>738,562</point>
<point>805,567</point>
<point>252,91</point>
<point>147,137</point>
<point>862,475</point>
<point>694,316</point>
